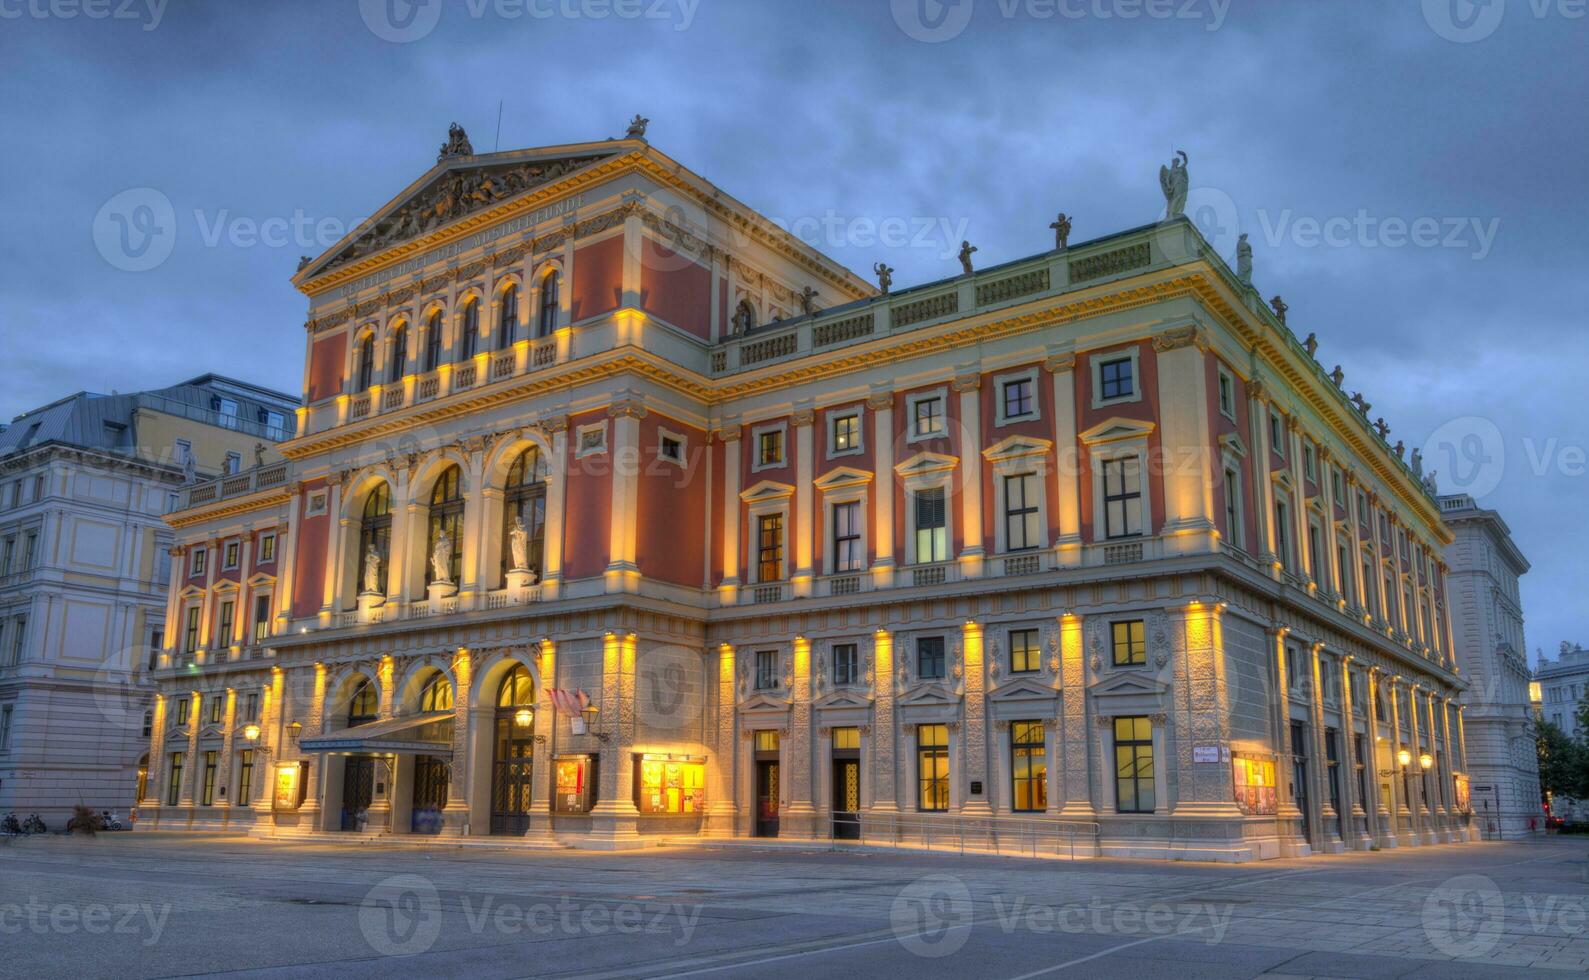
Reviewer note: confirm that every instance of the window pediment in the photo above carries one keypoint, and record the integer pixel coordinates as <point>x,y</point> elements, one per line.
<point>765,701</point>
<point>191,592</point>
<point>259,580</point>
<point>1023,689</point>
<point>1129,684</point>
<point>1231,443</point>
<point>926,462</point>
<point>1116,430</point>
<point>766,490</point>
<point>929,694</point>
<point>1017,447</point>
<point>842,478</point>
<point>844,698</point>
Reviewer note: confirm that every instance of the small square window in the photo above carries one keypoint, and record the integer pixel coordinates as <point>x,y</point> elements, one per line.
<point>846,433</point>
<point>670,447</point>
<point>1129,644</point>
<point>592,440</point>
<point>1116,379</point>
<point>317,504</point>
<point>1018,399</point>
<point>929,417</point>
<point>769,448</point>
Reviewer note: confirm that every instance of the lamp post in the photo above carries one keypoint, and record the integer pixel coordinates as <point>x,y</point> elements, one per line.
<point>590,722</point>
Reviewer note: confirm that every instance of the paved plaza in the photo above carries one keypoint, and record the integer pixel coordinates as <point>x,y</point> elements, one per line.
<point>153,905</point>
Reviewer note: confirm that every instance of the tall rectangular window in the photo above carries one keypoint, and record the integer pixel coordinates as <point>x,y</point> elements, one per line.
<point>932,768</point>
<point>207,796</point>
<point>1227,395</point>
<point>19,638</point>
<point>1332,767</point>
<point>766,670</point>
<point>267,549</point>
<point>5,728</point>
<point>1133,764</point>
<point>1021,531</point>
<point>190,639</point>
<point>932,531</point>
<point>1028,767</point>
<point>1129,643</point>
<point>30,550</point>
<point>769,548</point>
<point>1233,526</point>
<point>1122,497</point>
<point>261,618</point>
<point>847,536</point>
<point>769,448</point>
<point>245,777</point>
<point>846,663</point>
<point>223,630</point>
<point>1313,551</point>
<point>198,561</point>
<point>1018,401</point>
<point>929,417</point>
<point>1115,379</point>
<point>1282,537</point>
<point>184,706</point>
<point>229,555</point>
<point>929,658</point>
<point>174,779</point>
<point>1026,655</point>
<point>1360,766</point>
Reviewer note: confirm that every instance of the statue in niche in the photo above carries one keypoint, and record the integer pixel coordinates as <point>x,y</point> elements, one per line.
<point>372,570</point>
<point>519,539</point>
<point>441,558</point>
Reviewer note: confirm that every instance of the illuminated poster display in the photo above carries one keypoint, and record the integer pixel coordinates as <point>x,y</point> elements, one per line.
<point>289,785</point>
<point>575,783</point>
<point>1255,784</point>
<point>670,785</point>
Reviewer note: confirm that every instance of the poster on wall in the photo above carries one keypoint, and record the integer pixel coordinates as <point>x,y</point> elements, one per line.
<point>289,786</point>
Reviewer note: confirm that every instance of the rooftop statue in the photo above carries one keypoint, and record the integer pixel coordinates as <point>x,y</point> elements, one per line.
<point>1061,228</point>
<point>457,144</point>
<point>1244,259</point>
<point>885,276</point>
<point>1173,181</point>
<point>637,128</point>
<point>966,248</point>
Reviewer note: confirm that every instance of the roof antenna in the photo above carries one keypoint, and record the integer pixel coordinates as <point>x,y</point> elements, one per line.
<point>498,141</point>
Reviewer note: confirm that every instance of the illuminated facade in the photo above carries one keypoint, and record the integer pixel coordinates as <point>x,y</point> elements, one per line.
<point>1084,547</point>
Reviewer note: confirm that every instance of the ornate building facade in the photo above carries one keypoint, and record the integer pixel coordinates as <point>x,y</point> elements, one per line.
<point>1487,610</point>
<point>618,512</point>
<point>84,573</point>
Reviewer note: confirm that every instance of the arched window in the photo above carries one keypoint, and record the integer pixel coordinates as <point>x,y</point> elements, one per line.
<point>433,342</point>
<point>436,695</point>
<point>366,366</point>
<point>398,362</point>
<point>508,318</point>
<point>513,748</point>
<point>524,499</point>
<point>446,516</point>
<point>471,331</point>
<point>375,532</point>
<point>551,286</point>
<point>365,704</point>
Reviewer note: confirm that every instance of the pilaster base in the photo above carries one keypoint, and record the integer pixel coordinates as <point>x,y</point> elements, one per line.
<point>614,826</point>
<point>368,603</point>
<point>454,820</point>
<point>437,591</point>
<point>798,822</point>
<point>519,579</point>
<point>721,821</point>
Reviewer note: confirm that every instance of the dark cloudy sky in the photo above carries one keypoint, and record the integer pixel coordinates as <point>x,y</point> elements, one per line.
<point>1411,174</point>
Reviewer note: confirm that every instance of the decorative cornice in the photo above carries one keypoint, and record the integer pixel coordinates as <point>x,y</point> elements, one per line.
<point>1176,338</point>
<point>1060,363</point>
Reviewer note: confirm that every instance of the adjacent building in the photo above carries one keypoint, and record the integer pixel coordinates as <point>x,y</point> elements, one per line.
<point>1487,617</point>
<point>1562,685</point>
<point>85,570</point>
<point>615,511</point>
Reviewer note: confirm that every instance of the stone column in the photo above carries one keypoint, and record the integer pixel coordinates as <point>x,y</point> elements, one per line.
<point>152,784</point>
<point>729,435</point>
<point>1299,509</point>
<point>1263,489</point>
<point>228,732</point>
<point>1287,815</point>
<point>1184,436</point>
<point>1381,824</point>
<point>1400,785</point>
<point>722,811</point>
<point>333,557</point>
<point>287,561</point>
<point>805,503</point>
<point>1067,461</point>
<point>881,404</point>
<point>313,724</point>
<point>799,813</point>
<point>614,819</point>
<point>1067,660</point>
<point>974,735</point>
<point>402,541</point>
<point>1329,825</point>
<point>191,769</point>
<point>623,574</point>
<point>1359,600</point>
<point>1353,807</point>
<point>885,779</point>
<point>1201,712</point>
<point>973,553</point>
<point>556,429</point>
<point>455,816</point>
<point>472,586</point>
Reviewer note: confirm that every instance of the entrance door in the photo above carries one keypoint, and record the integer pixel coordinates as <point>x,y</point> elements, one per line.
<point>846,799</point>
<point>766,799</point>
<point>358,790</point>
<point>1299,777</point>
<point>430,794</point>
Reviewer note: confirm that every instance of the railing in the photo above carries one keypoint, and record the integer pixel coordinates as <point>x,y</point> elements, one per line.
<point>1029,564</point>
<point>236,484</point>
<point>236,423</point>
<point>503,598</point>
<point>941,573</point>
<point>544,353</point>
<point>1034,837</point>
<point>827,334</point>
<point>776,592</point>
<point>429,387</point>
<point>12,579</point>
<point>503,364</point>
<point>770,349</point>
<point>845,584</point>
<point>464,378</point>
<point>392,398</point>
<point>1122,554</point>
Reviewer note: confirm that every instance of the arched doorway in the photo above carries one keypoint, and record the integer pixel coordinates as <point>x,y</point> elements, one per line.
<point>512,750</point>
<point>431,773</point>
<point>358,771</point>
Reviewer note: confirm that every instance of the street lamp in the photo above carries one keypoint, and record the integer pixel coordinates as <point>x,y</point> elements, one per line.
<point>523,717</point>
<point>1404,757</point>
<point>590,722</point>
<point>251,732</point>
<point>1426,760</point>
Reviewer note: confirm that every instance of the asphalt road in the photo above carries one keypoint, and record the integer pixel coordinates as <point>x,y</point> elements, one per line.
<point>155,905</point>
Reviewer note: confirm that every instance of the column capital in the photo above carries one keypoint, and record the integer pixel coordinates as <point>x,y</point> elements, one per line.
<point>880,400</point>
<point>627,408</point>
<point>1060,363</point>
<point>1176,338</point>
<point>729,433</point>
<point>803,417</point>
<point>967,381</point>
